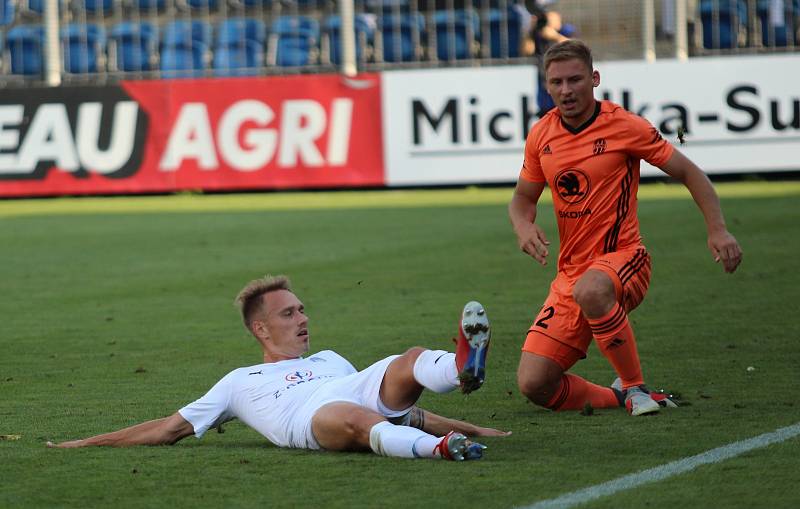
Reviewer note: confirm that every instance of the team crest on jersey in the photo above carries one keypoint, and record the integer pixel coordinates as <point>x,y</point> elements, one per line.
<point>298,376</point>
<point>573,185</point>
<point>599,146</point>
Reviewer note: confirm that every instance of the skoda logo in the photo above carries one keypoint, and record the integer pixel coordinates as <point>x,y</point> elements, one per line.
<point>572,185</point>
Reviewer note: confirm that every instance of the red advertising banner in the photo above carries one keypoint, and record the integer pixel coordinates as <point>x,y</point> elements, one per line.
<point>207,134</point>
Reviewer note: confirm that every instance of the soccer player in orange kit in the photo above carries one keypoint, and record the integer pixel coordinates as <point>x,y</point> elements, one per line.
<point>588,152</point>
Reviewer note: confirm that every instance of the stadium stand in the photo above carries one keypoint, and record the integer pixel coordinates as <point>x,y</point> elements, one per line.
<point>133,46</point>
<point>722,22</point>
<point>239,48</point>
<point>364,26</point>
<point>84,47</point>
<point>7,11</point>
<point>148,38</point>
<point>184,48</point>
<point>458,33</point>
<point>24,44</point>
<point>506,29</point>
<point>401,36</point>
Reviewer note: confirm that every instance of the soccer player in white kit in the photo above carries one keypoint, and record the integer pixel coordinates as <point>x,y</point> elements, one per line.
<point>321,401</point>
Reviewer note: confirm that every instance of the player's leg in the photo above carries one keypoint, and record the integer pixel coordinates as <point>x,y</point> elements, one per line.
<point>345,426</point>
<point>601,295</point>
<point>543,379</point>
<point>557,339</point>
<point>438,370</point>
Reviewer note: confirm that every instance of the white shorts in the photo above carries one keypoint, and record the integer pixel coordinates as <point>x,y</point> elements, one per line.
<point>362,388</point>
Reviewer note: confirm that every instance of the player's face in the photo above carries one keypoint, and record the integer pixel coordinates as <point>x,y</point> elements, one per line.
<point>571,85</point>
<point>287,324</point>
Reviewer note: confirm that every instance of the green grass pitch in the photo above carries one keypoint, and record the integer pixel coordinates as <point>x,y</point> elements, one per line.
<point>119,310</point>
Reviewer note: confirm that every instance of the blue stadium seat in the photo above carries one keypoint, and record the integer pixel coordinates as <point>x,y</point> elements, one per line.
<point>294,39</point>
<point>38,5</point>
<point>184,47</point>
<point>364,27</point>
<point>398,36</point>
<point>235,30</point>
<point>93,6</point>
<point>456,31</point>
<point>134,45</point>
<point>25,43</point>
<point>148,5</point>
<point>203,4</point>
<point>82,46</point>
<point>505,31</point>
<point>239,49</point>
<point>6,12</point>
<point>263,4</point>
<point>777,35</point>
<point>241,60</point>
<point>724,32</point>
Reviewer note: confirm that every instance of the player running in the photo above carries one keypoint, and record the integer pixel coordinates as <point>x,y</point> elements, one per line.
<point>588,152</point>
<point>321,401</point>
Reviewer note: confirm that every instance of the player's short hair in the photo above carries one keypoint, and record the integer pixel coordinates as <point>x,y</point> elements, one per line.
<point>569,50</point>
<point>249,299</point>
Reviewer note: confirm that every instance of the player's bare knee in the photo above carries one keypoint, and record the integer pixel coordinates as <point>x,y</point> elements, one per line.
<point>537,387</point>
<point>594,293</point>
<point>414,352</point>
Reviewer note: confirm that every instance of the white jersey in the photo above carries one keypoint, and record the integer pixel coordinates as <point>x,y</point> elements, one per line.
<point>271,398</point>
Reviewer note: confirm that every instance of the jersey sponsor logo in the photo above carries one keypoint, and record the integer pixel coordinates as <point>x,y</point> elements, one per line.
<point>297,376</point>
<point>573,185</point>
<point>547,150</point>
<point>599,146</point>
<point>574,214</point>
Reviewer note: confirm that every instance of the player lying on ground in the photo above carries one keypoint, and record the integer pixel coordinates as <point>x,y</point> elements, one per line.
<point>321,401</point>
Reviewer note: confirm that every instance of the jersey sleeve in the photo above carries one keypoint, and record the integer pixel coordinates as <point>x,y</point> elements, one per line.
<point>212,409</point>
<point>531,166</point>
<point>646,142</point>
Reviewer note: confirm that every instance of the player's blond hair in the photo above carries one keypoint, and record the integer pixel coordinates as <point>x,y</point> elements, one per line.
<point>249,299</point>
<point>569,50</point>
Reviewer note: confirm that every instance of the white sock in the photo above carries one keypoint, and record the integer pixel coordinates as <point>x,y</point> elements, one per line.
<point>436,370</point>
<point>387,439</point>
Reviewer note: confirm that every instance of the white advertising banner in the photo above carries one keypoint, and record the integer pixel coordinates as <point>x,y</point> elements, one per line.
<point>454,126</point>
<point>466,125</point>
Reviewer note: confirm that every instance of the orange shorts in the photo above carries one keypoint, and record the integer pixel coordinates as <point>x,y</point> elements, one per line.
<point>560,331</point>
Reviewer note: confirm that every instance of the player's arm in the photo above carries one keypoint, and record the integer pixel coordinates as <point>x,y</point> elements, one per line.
<point>437,425</point>
<point>166,431</point>
<point>522,211</point>
<point>721,243</point>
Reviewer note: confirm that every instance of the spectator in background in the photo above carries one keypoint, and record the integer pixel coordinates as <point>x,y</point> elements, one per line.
<point>546,29</point>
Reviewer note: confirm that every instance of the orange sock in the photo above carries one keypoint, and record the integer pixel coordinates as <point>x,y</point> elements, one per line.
<point>614,337</point>
<point>575,392</point>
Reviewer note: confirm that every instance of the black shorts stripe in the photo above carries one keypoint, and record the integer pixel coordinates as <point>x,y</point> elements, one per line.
<point>632,265</point>
<point>623,206</point>
<point>634,269</point>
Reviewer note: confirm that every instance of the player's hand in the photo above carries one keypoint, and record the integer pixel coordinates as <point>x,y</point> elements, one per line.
<point>533,241</point>
<point>66,445</point>
<point>724,248</point>
<point>480,431</point>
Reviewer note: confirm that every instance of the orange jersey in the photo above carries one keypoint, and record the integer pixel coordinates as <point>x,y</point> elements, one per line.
<point>593,174</point>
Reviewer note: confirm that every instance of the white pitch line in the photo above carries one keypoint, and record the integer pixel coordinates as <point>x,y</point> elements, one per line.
<point>669,469</point>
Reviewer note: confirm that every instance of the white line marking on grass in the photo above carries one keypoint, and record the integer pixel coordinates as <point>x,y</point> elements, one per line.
<point>669,469</point>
